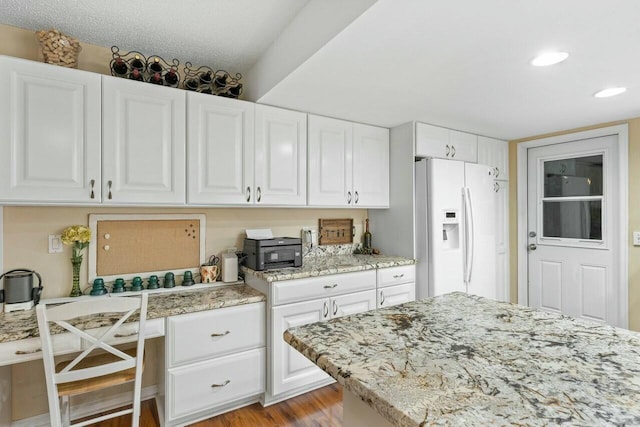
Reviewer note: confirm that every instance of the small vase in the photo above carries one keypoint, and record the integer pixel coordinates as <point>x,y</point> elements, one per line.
<point>75,290</point>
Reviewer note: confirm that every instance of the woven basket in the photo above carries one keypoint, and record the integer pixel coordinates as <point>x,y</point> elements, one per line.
<point>59,48</point>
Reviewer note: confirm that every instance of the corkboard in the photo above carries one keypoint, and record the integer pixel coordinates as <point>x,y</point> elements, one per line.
<point>336,231</point>
<point>126,246</point>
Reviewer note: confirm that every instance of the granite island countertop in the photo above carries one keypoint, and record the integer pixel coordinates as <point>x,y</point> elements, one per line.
<point>459,359</point>
<point>19,325</point>
<point>324,265</point>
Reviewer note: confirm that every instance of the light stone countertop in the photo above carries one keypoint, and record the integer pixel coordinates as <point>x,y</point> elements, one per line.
<point>324,265</point>
<point>19,325</point>
<point>462,360</point>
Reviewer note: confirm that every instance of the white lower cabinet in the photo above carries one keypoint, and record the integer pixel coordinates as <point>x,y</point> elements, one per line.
<point>215,361</point>
<point>396,285</point>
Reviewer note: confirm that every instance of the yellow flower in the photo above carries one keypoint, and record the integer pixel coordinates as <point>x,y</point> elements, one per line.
<point>76,234</point>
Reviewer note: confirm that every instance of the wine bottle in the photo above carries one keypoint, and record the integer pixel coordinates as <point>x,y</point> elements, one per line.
<point>171,78</point>
<point>236,90</point>
<point>191,84</point>
<point>137,63</point>
<point>136,75</point>
<point>205,79</point>
<point>155,66</point>
<point>367,235</point>
<point>156,79</point>
<point>220,81</point>
<point>119,67</point>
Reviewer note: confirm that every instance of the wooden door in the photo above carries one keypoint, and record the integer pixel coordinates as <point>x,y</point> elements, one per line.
<point>143,143</point>
<point>280,156</point>
<point>50,127</point>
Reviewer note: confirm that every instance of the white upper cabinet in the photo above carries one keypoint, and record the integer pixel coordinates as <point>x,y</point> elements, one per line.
<point>220,150</point>
<point>434,141</point>
<point>143,143</point>
<point>280,156</point>
<point>330,165</point>
<point>370,166</point>
<point>50,132</point>
<point>495,153</point>
<point>348,164</point>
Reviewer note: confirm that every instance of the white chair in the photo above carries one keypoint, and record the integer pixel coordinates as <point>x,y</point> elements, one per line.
<point>88,372</point>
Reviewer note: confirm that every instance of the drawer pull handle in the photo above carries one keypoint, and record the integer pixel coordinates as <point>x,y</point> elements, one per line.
<point>221,335</point>
<point>325,312</point>
<point>93,183</point>
<point>109,184</point>
<point>220,385</point>
<point>381,298</point>
<point>130,334</point>
<point>20,352</point>
<point>447,151</point>
<point>398,276</point>
<point>335,308</point>
<point>331,286</point>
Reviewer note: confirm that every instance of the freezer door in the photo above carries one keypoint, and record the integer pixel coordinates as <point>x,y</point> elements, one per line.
<point>480,258</point>
<point>445,182</point>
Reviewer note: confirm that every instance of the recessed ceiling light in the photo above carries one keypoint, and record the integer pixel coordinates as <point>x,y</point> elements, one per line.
<point>612,91</point>
<point>549,58</point>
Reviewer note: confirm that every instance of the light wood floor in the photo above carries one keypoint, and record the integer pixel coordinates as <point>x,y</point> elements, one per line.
<point>319,408</point>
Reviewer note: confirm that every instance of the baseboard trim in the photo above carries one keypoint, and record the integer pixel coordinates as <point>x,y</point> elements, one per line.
<point>89,408</point>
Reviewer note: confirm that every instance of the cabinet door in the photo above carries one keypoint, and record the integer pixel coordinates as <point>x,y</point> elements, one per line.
<point>280,156</point>
<point>502,238</point>
<point>220,150</point>
<point>358,302</point>
<point>494,153</point>
<point>330,163</point>
<point>398,294</point>
<point>143,143</point>
<point>432,141</point>
<point>370,166</point>
<point>464,146</point>
<point>50,129</point>
<point>289,368</point>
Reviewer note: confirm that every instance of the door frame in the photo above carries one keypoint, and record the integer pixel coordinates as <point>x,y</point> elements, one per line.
<point>622,132</point>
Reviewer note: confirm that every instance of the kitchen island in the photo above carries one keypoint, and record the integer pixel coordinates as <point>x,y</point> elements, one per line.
<point>459,359</point>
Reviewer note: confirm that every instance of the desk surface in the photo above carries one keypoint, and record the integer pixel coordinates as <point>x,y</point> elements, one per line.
<point>20,325</point>
<point>465,360</point>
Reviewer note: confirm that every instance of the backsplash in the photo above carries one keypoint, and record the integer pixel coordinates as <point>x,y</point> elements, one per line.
<point>328,250</point>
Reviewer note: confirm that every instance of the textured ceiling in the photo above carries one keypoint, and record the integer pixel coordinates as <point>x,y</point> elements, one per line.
<point>227,34</point>
<point>464,64</point>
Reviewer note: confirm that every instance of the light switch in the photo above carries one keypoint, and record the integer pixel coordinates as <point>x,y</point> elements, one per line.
<point>55,243</point>
<point>636,238</point>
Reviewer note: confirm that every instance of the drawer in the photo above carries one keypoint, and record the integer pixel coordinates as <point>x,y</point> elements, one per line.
<point>216,382</point>
<point>31,348</point>
<point>197,336</point>
<point>396,275</point>
<point>128,332</point>
<point>288,291</point>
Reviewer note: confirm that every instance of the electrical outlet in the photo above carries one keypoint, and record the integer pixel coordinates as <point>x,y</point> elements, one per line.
<point>55,243</point>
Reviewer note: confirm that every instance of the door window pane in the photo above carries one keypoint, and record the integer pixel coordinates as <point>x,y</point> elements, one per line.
<point>579,176</point>
<point>573,219</point>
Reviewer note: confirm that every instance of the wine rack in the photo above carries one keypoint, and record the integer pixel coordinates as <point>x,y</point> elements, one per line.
<point>135,65</point>
<point>205,80</point>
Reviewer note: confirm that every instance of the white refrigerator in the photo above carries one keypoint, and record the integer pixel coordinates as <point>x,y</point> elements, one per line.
<point>455,226</point>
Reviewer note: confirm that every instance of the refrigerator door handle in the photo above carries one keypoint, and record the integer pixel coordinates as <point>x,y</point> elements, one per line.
<point>470,236</point>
